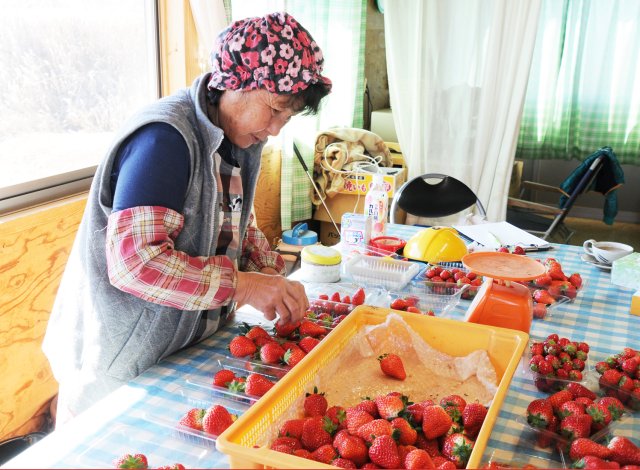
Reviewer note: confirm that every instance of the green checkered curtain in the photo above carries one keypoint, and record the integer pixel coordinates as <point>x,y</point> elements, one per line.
<point>338,26</point>
<point>584,85</point>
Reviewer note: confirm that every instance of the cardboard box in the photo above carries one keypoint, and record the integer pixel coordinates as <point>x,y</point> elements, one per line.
<point>328,235</point>
<point>360,183</point>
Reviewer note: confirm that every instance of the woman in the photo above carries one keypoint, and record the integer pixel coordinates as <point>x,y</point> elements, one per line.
<point>167,245</point>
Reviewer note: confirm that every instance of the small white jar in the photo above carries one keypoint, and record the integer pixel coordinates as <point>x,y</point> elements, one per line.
<point>320,264</point>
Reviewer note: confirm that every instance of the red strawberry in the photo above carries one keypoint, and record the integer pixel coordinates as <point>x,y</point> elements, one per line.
<point>255,332</point>
<point>542,281</point>
<point>555,271</point>
<point>337,415</point>
<point>325,454</point>
<point>415,410</point>
<point>315,404</point>
<point>175,466</point>
<point>417,459</point>
<point>573,427</point>
<point>570,408</point>
<point>559,398</point>
<point>435,421</point>
<point>399,304</point>
<point>308,343</point>
<point>578,390</point>
<point>457,448</point>
<point>309,328</point>
<point>542,296</point>
<point>407,434</point>
<point>257,385</point>
<point>223,377</point>
<point>539,310</point>
<point>335,297</point>
<point>453,405</point>
<point>193,419</point>
<point>241,346</point>
<point>372,429</point>
<point>293,356</point>
<point>353,448</point>
<point>303,453</point>
<point>473,417</point>
<point>582,447</point>
<point>539,413</point>
<point>315,432</point>
<point>384,452</point>
<point>624,451</point>
<point>369,406</point>
<point>356,418</point>
<point>271,353</point>
<point>284,330</point>
<point>391,365</point>
<point>291,442</point>
<point>389,406</point>
<point>600,414</point>
<point>217,419</point>
<point>131,461</point>
<point>292,428</point>
<point>576,280</point>
<point>343,463</point>
<point>358,297</point>
<point>615,406</point>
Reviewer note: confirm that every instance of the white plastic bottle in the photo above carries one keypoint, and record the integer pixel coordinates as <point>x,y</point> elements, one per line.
<point>376,203</point>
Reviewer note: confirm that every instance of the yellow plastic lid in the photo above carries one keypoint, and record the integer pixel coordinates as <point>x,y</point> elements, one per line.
<point>322,255</point>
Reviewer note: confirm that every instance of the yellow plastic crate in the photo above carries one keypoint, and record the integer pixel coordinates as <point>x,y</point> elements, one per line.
<point>504,347</point>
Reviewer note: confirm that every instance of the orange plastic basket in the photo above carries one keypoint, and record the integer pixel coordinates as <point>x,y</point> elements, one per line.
<point>504,347</point>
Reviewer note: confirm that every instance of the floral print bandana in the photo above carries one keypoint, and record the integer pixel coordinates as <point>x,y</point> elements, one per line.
<point>273,52</point>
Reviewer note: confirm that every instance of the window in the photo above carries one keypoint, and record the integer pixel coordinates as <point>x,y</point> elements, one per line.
<point>72,72</point>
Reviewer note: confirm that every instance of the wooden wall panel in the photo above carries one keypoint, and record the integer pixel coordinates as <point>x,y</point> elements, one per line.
<point>267,201</point>
<point>34,247</point>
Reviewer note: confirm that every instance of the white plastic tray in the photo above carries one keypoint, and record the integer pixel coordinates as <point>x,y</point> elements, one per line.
<point>383,272</point>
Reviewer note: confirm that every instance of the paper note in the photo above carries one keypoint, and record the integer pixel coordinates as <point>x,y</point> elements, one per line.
<point>493,235</point>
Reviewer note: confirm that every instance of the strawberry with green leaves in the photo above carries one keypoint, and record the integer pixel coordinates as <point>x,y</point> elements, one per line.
<point>353,448</point>
<point>583,446</point>
<point>615,406</point>
<point>573,427</point>
<point>223,378</point>
<point>315,403</point>
<point>241,346</point>
<point>316,432</point>
<point>435,421</point>
<point>392,366</point>
<point>542,296</point>
<point>271,353</point>
<point>540,413</point>
<point>310,328</point>
<point>591,461</point>
<point>193,419</point>
<point>624,451</point>
<point>131,461</point>
<point>473,416</point>
<point>453,405</point>
<point>257,385</point>
<point>293,355</point>
<point>358,297</point>
<point>457,448</point>
<point>389,406</point>
<point>384,452</point>
<point>175,466</point>
<point>378,427</point>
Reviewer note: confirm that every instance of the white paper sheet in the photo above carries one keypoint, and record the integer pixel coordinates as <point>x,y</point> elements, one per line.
<point>493,235</point>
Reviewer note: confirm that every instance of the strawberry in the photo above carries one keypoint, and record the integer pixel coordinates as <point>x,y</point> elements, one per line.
<point>325,454</point>
<point>542,296</point>
<point>539,413</point>
<point>554,269</point>
<point>284,330</point>
<point>293,356</point>
<point>582,447</point>
<point>337,415</point>
<point>353,448</point>
<point>590,461</point>
<point>542,281</point>
<point>254,332</point>
<point>453,405</point>
<point>384,452</point>
<point>615,406</point>
<point>356,418</point>
<point>570,408</point>
<point>315,404</point>
<point>559,398</point>
<point>391,365</point>
<point>291,442</point>
<point>407,435</point>
<point>573,427</point>
<point>285,449</point>
<point>131,461</point>
<point>303,453</point>
<point>600,414</point>
<point>418,458</point>
<point>175,466</point>
<point>369,406</point>
<point>435,421</point>
<point>564,288</point>
<point>257,385</point>
<point>335,297</point>
<point>309,328</point>
<point>457,448</point>
<point>399,304</point>
<point>378,427</point>
<point>578,390</point>
<point>624,451</point>
<point>576,280</point>
<point>539,310</point>
<point>343,463</point>
<point>216,419</point>
<point>292,428</point>
<point>241,346</point>
<point>415,410</point>
<point>223,377</point>
<point>308,343</point>
<point>315,433</point>
<point>473,417</point>
<point>358,297</point>
<point>271,353</point>
<point>389,406</point>
<point>193,419</point>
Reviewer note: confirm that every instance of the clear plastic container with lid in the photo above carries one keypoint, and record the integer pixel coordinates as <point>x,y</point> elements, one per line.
<point>320,264</point>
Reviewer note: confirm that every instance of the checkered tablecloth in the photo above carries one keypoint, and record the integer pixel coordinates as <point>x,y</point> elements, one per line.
<point>141,417</point>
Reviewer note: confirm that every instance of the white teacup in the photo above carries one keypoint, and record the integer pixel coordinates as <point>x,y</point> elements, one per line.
<point>606,252</point>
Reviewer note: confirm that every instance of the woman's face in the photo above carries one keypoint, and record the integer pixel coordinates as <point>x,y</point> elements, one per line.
<point>249,117</point>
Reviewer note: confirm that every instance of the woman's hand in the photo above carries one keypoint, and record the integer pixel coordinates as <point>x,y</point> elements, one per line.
<point>272,295</point>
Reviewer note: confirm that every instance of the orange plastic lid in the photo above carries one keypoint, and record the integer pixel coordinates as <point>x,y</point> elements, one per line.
<point>505,266</point>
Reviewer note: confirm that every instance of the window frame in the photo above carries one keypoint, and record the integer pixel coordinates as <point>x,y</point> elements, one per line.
<point>177,65</point>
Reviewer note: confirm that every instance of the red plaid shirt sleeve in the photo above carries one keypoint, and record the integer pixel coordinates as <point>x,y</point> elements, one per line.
<point>257,253</point>
<point>142,260</point>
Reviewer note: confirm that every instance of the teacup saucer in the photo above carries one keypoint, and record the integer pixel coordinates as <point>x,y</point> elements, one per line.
<point>593,261</point>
